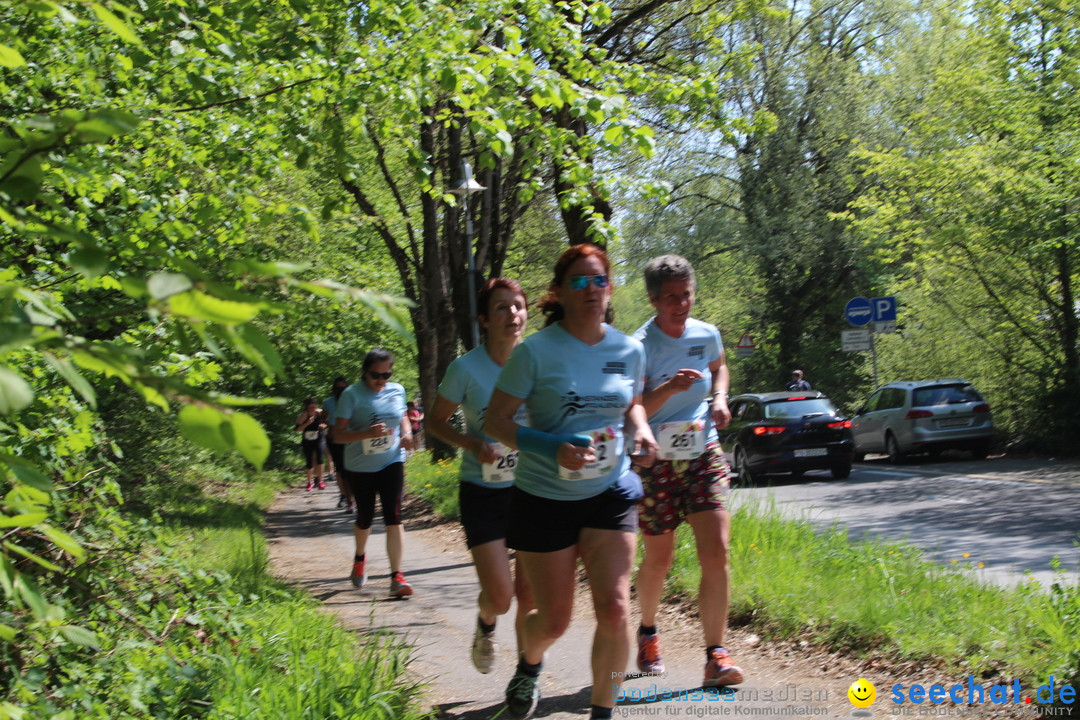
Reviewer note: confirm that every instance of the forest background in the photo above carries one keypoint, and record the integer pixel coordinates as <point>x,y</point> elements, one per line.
<point>209,210</point>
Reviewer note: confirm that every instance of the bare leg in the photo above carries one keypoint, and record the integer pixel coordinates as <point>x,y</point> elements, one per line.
<point>551,577</point>
<point>395,546</point>
<point>659,551</point>
<point>496,583</point>
<point>712,533</point>
<point>609,557</point>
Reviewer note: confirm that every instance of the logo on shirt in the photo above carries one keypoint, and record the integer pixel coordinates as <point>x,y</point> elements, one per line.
<point>697,351</point>
<point>573,403</point>
<point>614,368</point>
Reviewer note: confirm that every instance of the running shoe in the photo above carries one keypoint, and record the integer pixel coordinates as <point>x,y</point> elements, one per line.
<point>522,695</point>
<point>483,650</point>
<point>399,586</point>
<point>358,576</point>
<point>350,508</point>
<point>721,669</point>
<point>649,661</point>
<point>310,485</point>
<point>342,501</point>
<point>322,484</point>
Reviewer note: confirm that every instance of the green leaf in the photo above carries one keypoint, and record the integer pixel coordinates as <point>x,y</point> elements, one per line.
<point>164,285</point>
<point>63,541</point>
<point>101,125</point>
<point>15,393</point>
<point>250,438</point>
<point>74,378</point>
<point>10,57</point>
<point>30,556</point>
<point>115,24</point>
<point>7,633</point>
<point>202,425</point>
<point>28,589</point>
<point>80,636</point>
<point>29,475</point>
<point>200,306</point>
<point>90,260</point>
<point>23,520</point>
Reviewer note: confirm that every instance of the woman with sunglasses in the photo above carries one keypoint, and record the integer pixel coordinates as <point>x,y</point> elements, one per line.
<point>574,494</point>
<point>487,468</point>
<point>371,423</point>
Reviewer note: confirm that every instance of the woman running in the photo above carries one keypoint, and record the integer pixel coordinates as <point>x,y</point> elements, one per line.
<point>487,469</point>
<point>371,423</point>
<point>310,426</point>
<point>574,494</point>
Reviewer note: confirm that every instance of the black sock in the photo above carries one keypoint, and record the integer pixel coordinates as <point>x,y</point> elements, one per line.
<point>526,668</point>
<point>601,713</point>
<point>360,557</point>
<point>484,626</point>
<point>647,630</point>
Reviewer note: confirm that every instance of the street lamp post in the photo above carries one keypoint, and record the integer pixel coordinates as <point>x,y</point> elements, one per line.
<point>464,188</point>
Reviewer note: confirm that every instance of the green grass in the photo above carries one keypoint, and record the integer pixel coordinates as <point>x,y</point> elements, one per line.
<point>188,623</point>
<point>792,580</point>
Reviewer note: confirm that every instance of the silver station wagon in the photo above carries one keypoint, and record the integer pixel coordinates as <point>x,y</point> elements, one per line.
<point>926,416</point>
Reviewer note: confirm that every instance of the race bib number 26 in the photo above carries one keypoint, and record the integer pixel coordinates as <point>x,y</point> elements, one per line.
<point>502,470</point>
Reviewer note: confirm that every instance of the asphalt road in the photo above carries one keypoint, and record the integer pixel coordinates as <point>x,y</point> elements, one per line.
<point>1013,516</point>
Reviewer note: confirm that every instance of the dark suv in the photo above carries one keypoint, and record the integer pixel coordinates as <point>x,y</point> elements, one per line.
<point>926,416</point>
<point>787,432</point>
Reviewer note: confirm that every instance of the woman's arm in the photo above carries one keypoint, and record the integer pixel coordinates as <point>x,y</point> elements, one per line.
<point>569,450</point>
<point>636,426</point>
<point>439,426</point>
<point>406,433</point>
<point>342,434</point>
<point>720,413</point>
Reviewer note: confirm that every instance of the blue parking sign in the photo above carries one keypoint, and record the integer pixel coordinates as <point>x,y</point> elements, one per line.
<point>884,309</point>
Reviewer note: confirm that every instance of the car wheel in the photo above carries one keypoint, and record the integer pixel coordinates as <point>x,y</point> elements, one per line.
<point>841,470</point>
<point>858,457</point>
<point>742,466</point>
<point>892,449</point>
<point>980,451</point>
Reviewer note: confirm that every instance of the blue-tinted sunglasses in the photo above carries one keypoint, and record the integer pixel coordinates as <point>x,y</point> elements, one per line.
<point>580,282</point>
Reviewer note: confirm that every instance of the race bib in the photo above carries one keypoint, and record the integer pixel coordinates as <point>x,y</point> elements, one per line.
<point>502,470</point>
<point>311,434</point>
<point>376,445</point>
<point>608,444</point>
<point>681,440</point>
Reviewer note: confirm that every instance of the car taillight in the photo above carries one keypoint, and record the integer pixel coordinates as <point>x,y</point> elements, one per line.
<point>769,429</point>
<point>981,407</point>
<point>916,414</point>
<point>840,425</point>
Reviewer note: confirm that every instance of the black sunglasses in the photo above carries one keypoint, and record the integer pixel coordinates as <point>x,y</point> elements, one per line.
<point>377,376</point>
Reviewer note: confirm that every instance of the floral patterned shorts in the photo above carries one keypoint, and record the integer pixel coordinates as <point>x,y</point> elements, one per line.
<point>677,488</point>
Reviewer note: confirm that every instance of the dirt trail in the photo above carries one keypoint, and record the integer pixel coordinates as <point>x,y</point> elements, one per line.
<point>311,546</point>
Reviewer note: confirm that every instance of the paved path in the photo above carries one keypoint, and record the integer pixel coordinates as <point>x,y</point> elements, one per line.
<point>311,546</point>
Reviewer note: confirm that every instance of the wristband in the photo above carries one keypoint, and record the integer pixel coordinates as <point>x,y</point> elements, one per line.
<point>542,443</point>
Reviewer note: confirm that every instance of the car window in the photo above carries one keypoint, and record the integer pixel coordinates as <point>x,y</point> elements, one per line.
<point>872,403</point>
<point>945,395</point>
<point>753,412</point>
<point>797,409</point>
<point>892,398</point>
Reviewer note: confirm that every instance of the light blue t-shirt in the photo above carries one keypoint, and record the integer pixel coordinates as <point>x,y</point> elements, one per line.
<point>364,408</point>
<point>697,348</point>
<point>468,382</point>
<point>571,387</point>
<point>330,406</point>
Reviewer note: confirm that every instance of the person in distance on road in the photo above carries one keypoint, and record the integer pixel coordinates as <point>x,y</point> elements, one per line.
<point>337,449</point>
<point>797,382</point>
<point>487,468</point>
<point>371,423</point>
<point>574,494</point>
<point>686,384</point>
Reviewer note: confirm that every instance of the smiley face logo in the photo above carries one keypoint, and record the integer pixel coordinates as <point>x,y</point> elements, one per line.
<point>862,693</point>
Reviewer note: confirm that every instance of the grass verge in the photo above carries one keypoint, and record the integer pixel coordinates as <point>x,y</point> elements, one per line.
<point>793,580</point>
